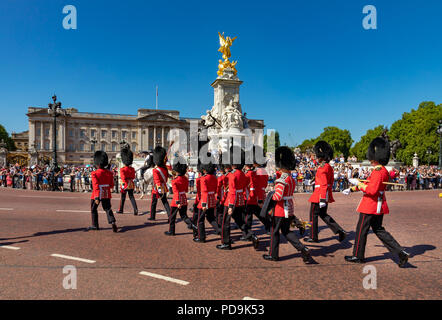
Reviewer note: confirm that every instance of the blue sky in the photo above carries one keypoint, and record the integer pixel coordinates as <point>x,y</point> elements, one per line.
<point>305,64</point>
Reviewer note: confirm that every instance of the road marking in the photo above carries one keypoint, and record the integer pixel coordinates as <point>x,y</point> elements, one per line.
<point>71,258</point>
<point>10,247</point>
<point>158,276</point>
<point>50,197</point>
<point>72,210</point>
<point>248,298</point>
<point>6,209</point>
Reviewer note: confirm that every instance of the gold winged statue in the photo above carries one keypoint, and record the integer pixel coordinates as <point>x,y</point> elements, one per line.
<point>225,44</point>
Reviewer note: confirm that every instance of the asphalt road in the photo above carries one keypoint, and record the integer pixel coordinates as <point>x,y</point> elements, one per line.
<point>39,229</point>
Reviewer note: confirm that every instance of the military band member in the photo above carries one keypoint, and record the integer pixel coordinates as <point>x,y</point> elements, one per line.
<point>322,194</point>
<point>207,203</point>
<point>160,176</point>
<point>234,205</point>
<point>127,175</point>
<point>180,187</point>
<point>373,205</point>
<point>102,184</point>
<point>221,192</point>
<point>283,212</point>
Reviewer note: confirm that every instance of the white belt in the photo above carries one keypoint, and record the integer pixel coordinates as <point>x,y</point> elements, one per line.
<point>182,192</point>
<point>380,201</point>
<point>211,192</point>
<point>252,188</point>
<point>287,198</point>
<point>240,190</point>
<point>318,185</point>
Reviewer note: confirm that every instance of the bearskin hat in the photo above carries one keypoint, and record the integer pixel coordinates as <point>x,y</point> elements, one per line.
<point>210,167</point>
<point>179,166</point>
<point>285,158</point>
<point>379,150</point>
<point>127,157</point>
<point>323,151</point>
<point>100,159</point>
<point>159,156</point>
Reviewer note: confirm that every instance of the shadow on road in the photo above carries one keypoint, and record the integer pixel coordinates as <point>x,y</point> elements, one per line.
<point>141,226</point>
<point>11,243</point>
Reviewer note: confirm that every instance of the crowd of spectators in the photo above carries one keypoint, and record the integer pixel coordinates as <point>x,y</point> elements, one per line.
<point>77,178</point>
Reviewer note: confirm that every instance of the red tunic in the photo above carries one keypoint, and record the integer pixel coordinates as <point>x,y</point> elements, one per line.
<point>374,200</point>
<point>160,176</point>
<point>252,186</point>
<point>285,186</point>
<point>263,180</point>
<point>209,184</point>
<point>198,190</point>
<point>102,184</point>
<point>220,188</point>
<point>323,185</point>
<point>180,186</point>
<point>237,186</point>
<point>127,175</point>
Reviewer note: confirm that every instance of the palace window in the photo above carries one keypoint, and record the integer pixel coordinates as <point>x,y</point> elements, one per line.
<point>82,133</point>
<point>114,147</point>
<point>134,147</point>
<point>37,132</point>
<point>103,133</point>
<point>81,146</point>
<point>93,133</point>
<point>124,134</point>
<point>46,145</point>
<point>103,146</point>
<point>134,135</point>
<point>47,132</point>
<point>71,133</point>
<point>114,134</point>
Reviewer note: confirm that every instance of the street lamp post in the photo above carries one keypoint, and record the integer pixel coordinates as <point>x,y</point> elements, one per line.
<point>55,110</point>
<point>429,152</point>
<point>439,131</point>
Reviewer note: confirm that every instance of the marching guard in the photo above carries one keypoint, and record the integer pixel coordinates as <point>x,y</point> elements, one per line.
<point>102,184</point>
<point>180,187</point>
<point>283,212</point>
<point>207,202</point>
<point>197,200</point>
<point>373,205</point>
<point>322,194</point>
<point>127,175</point>
<point>160,176</point>
<point>234,204</point>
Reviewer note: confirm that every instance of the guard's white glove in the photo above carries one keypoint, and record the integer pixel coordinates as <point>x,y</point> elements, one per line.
<point>346,191</point>
<point>354,181</point>
<point>322,204</point>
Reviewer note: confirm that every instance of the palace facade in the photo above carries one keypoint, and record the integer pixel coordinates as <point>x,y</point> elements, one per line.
<point>79,134</point>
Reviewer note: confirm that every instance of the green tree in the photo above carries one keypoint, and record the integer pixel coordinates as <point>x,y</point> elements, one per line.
<point>417,133</point>
<point>10,145</point>
<point>273,135</point>
<point>339,139</point>
<point>360,148</point>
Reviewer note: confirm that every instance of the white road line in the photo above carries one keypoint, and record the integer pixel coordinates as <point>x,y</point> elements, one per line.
<point>158,276</point>
<point>71,258</point>
<point>6,209</point>
<point>50,197</point>
<point>248,298</point>
<point>10,247</point>
<point>72,210</point>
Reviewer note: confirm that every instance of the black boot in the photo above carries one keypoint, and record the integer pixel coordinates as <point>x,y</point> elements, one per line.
<point>403,258</point>
<point>224,246</point>
<point>255,241</point>
<point>114,227</point>
<point>199,240</point>
<point>342,236</point>
<point>168,233</point>
<point>305,254</point>
<point>120,211</point>
<point>354,259</point>
<point>269,257</point>
<point>308,239</point>
<point>92,228</point>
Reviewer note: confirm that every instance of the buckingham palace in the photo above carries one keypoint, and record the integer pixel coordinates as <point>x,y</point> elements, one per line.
<point>79,134</point>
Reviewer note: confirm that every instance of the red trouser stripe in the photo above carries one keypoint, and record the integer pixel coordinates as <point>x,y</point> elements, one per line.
<point>359,236</point>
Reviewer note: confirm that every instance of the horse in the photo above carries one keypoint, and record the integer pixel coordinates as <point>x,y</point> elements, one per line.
<point>147,178</point>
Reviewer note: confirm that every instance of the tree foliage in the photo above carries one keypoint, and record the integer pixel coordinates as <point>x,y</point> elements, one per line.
<point>339,139</point>
<point>273,135</point>
<point>10,145</point>
<point>360,148</point>
<point>417,133</point>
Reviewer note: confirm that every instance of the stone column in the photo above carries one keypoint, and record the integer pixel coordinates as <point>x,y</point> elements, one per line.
<point>154,137</point>
<point>147,138</point>
<point>31,139</point>
<point>162,138</point>
<point>42,135</point>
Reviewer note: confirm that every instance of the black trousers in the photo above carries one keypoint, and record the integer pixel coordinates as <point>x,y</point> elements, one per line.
<point>106,204</point>
<point>195,219</point>
<point>130,192</point>
<point>172,218</point>
<point>254,210</point>
<point>237,216</point>
<point>283,224</point>
<point>153,205</point>
<point>375,222</point>
<point>209,214</point>
<point>315,212</point>
<point>219,215</point>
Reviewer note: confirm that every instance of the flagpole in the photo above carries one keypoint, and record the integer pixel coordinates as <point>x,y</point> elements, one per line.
<point>156,105</point>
